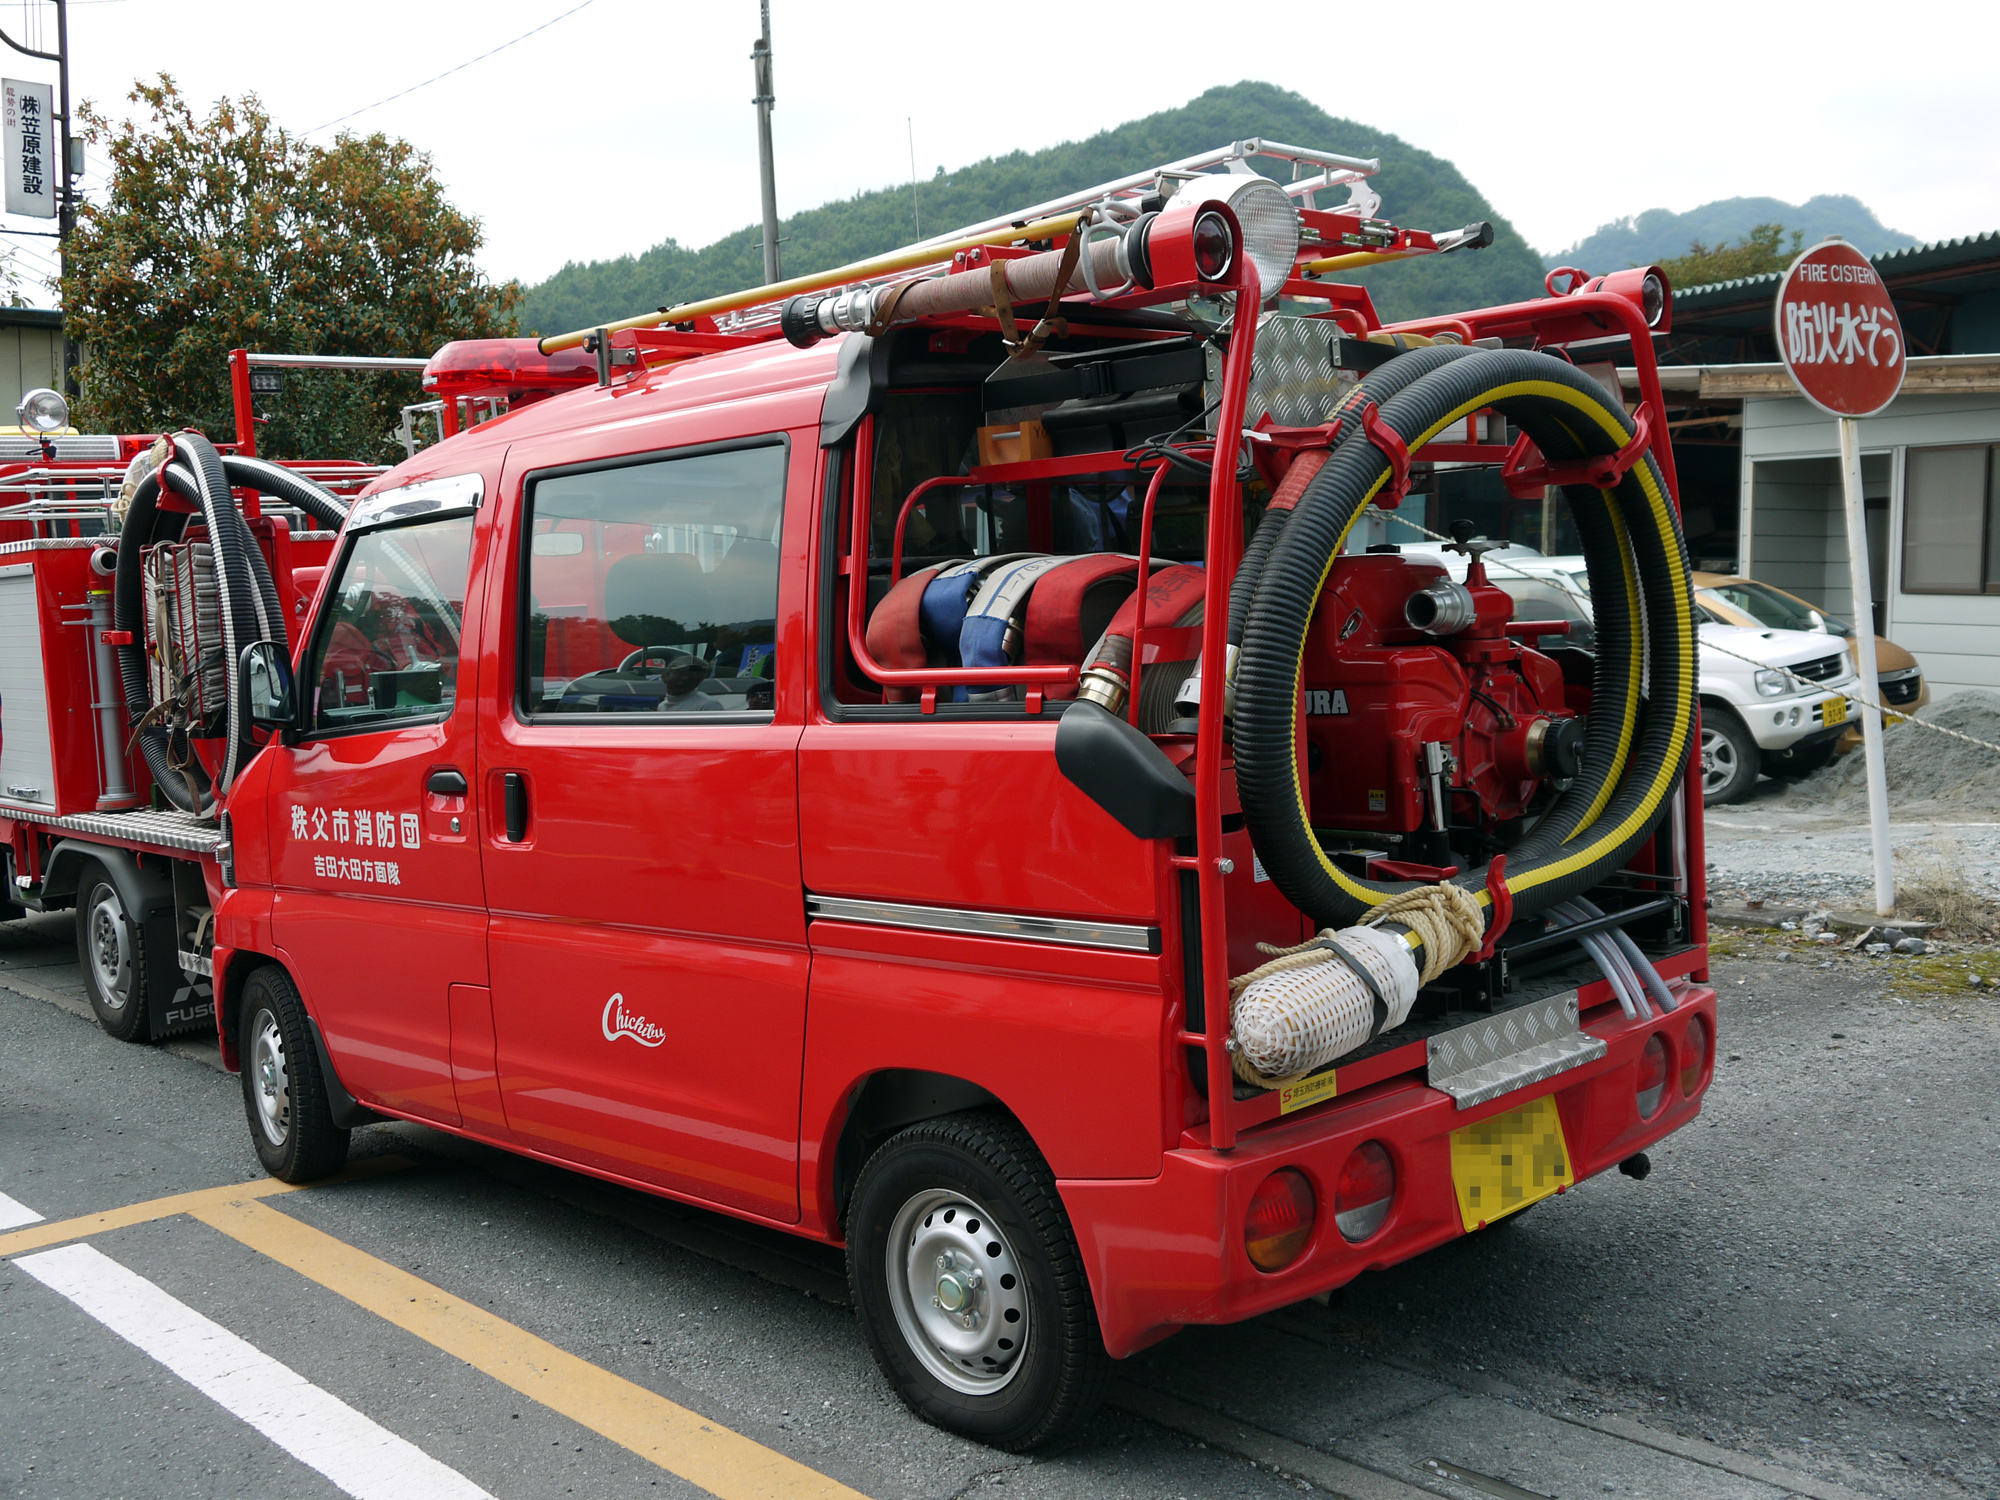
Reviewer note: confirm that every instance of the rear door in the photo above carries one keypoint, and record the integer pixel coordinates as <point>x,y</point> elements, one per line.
<point>379,908</point>
<point>640,824</point>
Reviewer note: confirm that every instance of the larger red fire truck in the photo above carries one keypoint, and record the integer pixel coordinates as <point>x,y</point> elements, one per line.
<point>839,763</point>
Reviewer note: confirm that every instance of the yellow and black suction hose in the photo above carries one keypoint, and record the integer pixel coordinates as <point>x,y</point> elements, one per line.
<point>1637,743</point>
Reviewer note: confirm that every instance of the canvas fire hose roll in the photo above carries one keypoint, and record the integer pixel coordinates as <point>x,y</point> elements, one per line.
<point>1644,694</point>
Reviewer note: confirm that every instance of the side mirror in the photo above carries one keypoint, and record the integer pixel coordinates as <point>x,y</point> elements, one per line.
<point>265,681</point>
<point>1818,621</point>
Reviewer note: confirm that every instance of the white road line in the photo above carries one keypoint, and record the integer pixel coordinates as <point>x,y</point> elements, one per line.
<point>317,1428</point>
<point>13,1214</point>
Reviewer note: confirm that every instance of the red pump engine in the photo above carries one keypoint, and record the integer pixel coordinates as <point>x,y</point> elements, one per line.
<point>1423,717</point>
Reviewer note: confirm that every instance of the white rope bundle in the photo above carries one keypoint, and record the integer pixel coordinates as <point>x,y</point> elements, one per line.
<point>1307,1006</point>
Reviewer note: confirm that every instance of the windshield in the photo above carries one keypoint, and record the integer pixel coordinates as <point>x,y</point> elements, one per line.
<point>1537,600</point>
<point>1776,609</point>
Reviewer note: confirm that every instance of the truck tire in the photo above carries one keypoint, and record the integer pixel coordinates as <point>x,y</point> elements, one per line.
<point>1730,759</point>
<point>111,948</point>
<point>970,1286</point>
<point>283,1093</point>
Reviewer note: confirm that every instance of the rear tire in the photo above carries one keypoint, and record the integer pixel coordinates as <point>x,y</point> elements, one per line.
<point>112,950</point>
<point>970,1286</point>
<point>1730,759</point>
<point>284,1095</point>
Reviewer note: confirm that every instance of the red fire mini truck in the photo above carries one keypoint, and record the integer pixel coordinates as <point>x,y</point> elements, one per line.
<point>841,766</point>
<point>81,822</point>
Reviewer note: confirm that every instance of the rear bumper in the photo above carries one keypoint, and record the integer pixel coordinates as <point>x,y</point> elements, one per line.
<point>1168,1251</point>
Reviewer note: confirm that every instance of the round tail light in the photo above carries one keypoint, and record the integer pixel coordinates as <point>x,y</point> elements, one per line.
<point>1652,1076</point>
<point>1280,1220</point>
<point>1366,1189</point>
<point>1694,1055</point>
<point>1214,247</point>
<point>1652,298</point>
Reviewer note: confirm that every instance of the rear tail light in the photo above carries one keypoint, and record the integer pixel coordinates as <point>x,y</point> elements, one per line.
<point>1280,1220</point>
<point>1214,247</point>
<point>1652,1076</point>
<point>1694,1055</point>
<point>1366,1190</point>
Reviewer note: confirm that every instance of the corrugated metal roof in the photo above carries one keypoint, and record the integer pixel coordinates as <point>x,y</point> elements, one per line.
<point>1938,255</point>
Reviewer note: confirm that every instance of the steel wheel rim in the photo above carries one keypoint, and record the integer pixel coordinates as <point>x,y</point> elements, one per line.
<point>107,940</point>
<point>1718,760</point>
<point>958,1293</point>
<point>270,1082</point>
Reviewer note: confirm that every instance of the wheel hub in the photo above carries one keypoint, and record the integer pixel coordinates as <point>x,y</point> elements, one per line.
<point>106,943</point>
<point>273,1094</point>
<point>956,1287</point>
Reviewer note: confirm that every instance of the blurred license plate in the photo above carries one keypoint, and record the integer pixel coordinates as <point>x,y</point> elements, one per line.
<point>1508,1161</point>
<point>1833,711</point>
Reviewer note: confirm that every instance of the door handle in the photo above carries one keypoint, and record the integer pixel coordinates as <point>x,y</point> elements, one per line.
<point>516,800</point>
<point>449,782</point>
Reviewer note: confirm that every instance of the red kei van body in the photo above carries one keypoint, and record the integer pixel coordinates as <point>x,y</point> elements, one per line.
<point>738,778</point>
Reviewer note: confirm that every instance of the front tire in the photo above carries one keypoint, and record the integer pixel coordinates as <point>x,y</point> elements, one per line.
<point>112,951</point>
<point>1729,757</point>
<point>970,1286</point>
<point>284,1095</point>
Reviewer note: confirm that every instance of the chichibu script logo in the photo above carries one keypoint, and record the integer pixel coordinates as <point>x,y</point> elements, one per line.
<point>618,1023</point>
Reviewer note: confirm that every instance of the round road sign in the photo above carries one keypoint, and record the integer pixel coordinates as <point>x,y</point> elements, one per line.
<point>1838,333</point>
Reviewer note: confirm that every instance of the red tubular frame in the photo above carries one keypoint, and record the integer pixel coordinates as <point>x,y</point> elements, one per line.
<point>856,568</point>
<point>903,516</point>
<point>239,396</point>
<point>1225,544</point>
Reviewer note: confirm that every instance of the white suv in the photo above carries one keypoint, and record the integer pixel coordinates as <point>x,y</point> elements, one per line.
<point>1755,718</point>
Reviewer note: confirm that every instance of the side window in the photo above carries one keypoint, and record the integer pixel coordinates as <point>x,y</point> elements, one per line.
<point>388,651</point>
<point>653,587</point>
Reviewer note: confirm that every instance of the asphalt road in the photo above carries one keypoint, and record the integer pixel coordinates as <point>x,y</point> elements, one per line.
<point>1800,1300</point>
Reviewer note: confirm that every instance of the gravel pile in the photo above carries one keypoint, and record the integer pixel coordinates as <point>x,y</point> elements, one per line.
<point>1923,768</point>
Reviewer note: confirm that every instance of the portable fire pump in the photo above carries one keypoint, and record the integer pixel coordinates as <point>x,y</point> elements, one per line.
<point>938,757</point>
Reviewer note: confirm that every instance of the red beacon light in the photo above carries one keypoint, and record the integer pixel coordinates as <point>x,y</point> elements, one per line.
<point>514,368</point>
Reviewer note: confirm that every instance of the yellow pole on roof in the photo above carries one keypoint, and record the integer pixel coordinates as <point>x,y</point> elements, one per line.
<point>1356,260</point>
<point>860,270</point>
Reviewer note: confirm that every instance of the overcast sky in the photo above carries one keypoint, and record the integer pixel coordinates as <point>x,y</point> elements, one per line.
<point>628,121</point>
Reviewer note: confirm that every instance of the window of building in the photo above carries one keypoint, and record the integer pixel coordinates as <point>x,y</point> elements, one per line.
<point>1949,522</point>
<point>653,587</point>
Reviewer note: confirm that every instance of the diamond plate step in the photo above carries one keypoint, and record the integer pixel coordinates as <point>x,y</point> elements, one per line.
<point>1497,1054</point>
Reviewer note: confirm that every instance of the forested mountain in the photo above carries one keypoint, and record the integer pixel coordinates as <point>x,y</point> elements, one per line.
<point>1417,188</point>
<point>1658,234</point>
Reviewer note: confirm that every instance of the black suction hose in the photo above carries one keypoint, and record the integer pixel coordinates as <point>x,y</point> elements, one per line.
<point>247,597</point>
<point>1633,760</point>
<point>284,485</point>
<point>1378,385</point>
<point>143,518</point>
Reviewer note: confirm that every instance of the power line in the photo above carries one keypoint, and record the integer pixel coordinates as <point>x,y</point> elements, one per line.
<point>449,71</point>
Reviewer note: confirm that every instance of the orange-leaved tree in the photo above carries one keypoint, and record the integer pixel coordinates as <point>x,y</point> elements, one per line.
<point>226,231</point>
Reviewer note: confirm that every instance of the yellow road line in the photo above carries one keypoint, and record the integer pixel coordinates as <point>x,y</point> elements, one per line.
<point>38,1235</point>
<point>705,1453</point>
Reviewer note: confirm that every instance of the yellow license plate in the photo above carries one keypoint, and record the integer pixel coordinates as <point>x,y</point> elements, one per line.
<point>1509,1161</point>
<point>1833,711</point>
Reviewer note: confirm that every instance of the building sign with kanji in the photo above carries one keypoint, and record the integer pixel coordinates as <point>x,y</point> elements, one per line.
<point>28,137</point>
<point>1838,332</point>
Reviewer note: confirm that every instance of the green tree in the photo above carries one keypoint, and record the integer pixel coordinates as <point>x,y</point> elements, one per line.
<point>226,232</point>
<point>1758,253</point>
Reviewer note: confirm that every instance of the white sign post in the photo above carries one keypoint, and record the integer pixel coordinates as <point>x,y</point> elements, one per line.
<point>1840,338</point>
<point>28,139</point>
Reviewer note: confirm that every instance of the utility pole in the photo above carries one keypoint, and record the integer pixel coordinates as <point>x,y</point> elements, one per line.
<point>66,201</point>
<point>760,55</point>
<point>67,173</point>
